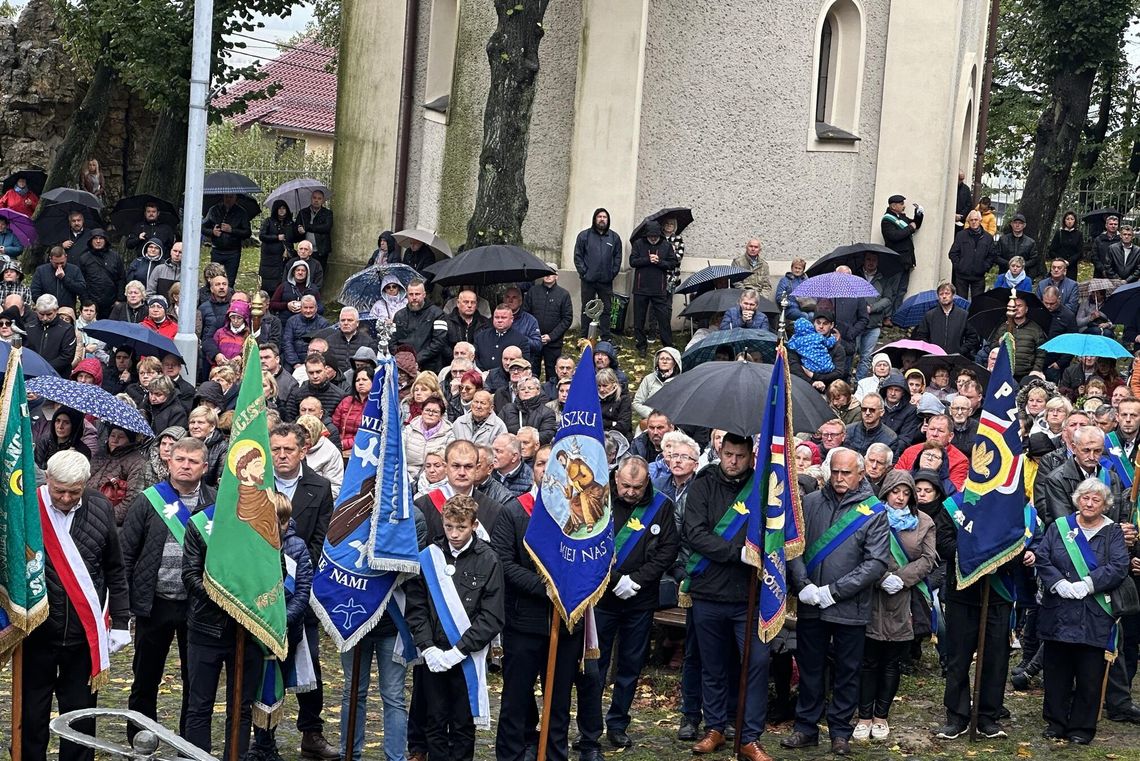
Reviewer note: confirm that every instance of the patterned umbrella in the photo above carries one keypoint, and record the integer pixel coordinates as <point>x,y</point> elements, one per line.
<point>835,285</point>
<point>21,226</point>
<point>697,282</point>
<point>734,341</point>
<point>92,400</point>
<point>362,290</point>
<point>911,311</point>
<point>1101,285</point>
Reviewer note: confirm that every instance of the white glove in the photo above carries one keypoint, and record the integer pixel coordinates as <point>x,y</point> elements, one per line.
<point>117,639</point>
<point>918,210</point>
<point>626,588</point>
<point>891,584</point>
<point>1082,588</point>
<point>1064,589</point>
<point>809,595</point>
<point>433,658</point>
<point>451,658</point>
<point>825,598</point>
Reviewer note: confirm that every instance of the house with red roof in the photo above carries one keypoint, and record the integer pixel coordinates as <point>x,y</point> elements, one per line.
<point>303,109</point>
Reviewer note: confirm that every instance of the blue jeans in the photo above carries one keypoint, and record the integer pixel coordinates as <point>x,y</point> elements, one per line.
<point>392,676</point>
<point>865,345</point>
<point>631,632</point>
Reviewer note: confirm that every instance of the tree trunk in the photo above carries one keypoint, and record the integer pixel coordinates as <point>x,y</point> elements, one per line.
<point>1058,134</point>
<point>83,132</point>
<point>164,170</point>
<point>500,202</point>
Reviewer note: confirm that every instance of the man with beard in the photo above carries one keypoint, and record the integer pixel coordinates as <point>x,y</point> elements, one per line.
<point>422,325</point>
<point>597,258</point>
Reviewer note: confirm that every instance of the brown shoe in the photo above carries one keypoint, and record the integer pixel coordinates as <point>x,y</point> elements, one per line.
<point>710,743</point>
<point>417,756</point>
<point>753,751</point>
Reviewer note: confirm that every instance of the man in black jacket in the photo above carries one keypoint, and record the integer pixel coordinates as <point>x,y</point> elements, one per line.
<point>345,338</point>
<point>57,656</point>
<point>652,258</point>
<point>1017,243</point>
<point>423,326</point>
<point>464,322</point>
<point>312,499</point>
<point>321,384</point>
<point>315,223</point>
<point>60,278</point>
<point>462,460</point>
<point>597,258</point>
<point>526,638</point>
<point>898,234</point>
<point>964,201</point>
<point>1102,245</point>
<point>646,543</point>
<point>720,594</point>
<point>551,305</point>
<point>972,254</point>
<point>948,325</point>
<point>103,272</point>
<point>150,227</point>
<point>152,557</point>
<point>51,337</point>
<point>227,226</point>
<point>490,344</point>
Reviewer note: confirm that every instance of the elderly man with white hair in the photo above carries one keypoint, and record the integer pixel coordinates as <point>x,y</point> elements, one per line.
<point>345,338</point>
<point>51,337</point>
<point>68,656</point>
<point>510,470</point>
<point>462,359</point>
<point>681,455</point>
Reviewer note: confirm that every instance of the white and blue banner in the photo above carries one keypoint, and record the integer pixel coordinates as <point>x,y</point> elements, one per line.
<point>371,540</point>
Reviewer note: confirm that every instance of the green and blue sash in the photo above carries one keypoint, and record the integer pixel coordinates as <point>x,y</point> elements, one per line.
<point>637,527</point>
<point>902,559</point>
<point>733,521</point>
<point>170,508</point>
<point>1114,454</point>
<point>900,223</point>
<point>848,523</point>
<point>1084,561</point>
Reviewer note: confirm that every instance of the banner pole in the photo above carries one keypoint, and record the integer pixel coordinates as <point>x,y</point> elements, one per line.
<point>548,688</point>
<point>235,698</point>
<point>742,690</point>
<point>353,702</point>
<point>18,702</point>
<point>981,651</point>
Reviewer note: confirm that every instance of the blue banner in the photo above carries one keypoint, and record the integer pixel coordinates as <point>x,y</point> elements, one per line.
<point>571,535</point>
<point>372,533</point>
<point>991,515</point>
<point>775,517</point>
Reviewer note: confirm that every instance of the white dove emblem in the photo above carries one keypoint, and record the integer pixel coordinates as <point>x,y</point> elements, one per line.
<point>170,509</point>
<point>362,548</point>
<point>366,453</point>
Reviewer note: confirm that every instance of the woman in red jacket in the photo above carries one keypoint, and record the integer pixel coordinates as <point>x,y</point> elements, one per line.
<point>346,416</point>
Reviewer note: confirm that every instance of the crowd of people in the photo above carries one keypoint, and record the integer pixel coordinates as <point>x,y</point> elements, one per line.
<point>483,385</point>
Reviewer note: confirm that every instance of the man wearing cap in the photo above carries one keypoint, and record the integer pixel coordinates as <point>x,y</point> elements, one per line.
<point>157,319</point>
<point>898,234</point>
<point>517,369</point>
<point>1017,243</point>
<point>551,305</point>
<point>898,413</point>
<point>651,258</point>
<point>1027,339</point>
<point>1102,244</point>
<point>824,324</point>
<point>104,273</point>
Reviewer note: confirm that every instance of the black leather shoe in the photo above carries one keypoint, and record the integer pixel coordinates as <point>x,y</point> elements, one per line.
<point>687,731</point>
<point>1079,739</point>
<point>618,738</point>
<point>1130,714</point>
<point>593,754</point>
<point>840,746</point>
<point>798,740</point>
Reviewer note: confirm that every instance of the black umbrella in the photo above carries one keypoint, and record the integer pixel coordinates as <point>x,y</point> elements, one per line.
<point>852,256</point>
<point>721,300</point>
<point>489,264</point>
<point>987,311</point>
<point>129,211</point>
<point>35,177</point>
<point>71,195</point>
<point>683,215</point>
<point>1095,220</point>
<point>52,225</point>
<point>1123,306</point>
<point>730,396</point>
<point>222,183</point>
<point>248,203</point>
<point>705,279</point>
<point>953,362</point>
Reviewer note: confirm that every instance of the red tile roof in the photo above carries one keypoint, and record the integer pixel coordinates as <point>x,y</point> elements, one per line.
<point>306,100</point>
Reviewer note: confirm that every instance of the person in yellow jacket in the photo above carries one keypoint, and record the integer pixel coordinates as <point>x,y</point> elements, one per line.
<point>989,219</point>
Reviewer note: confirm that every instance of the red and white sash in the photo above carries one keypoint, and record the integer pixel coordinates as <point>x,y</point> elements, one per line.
<point>76,580</point>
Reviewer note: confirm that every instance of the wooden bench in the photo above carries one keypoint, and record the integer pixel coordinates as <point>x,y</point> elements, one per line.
<point>672,617</point>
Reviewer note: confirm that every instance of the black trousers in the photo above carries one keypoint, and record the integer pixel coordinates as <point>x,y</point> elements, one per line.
<point>310,704</point>
<point>450,728</point>
<point>550,354</point>
<point>879,678</point>
<point>819,643</point>
<point>206,657</point>
<point>605,292</point>
<point>968,288</point>
<point>60,672</point>
<point>417,712</point>
<point>228,259</point>
<point>1072,679</point>
<point>524,663</point>
<point>588,688</point>
<point>961,642</point>
<point>271,269</point>
<point>662,307</point>
<point>153,637</point>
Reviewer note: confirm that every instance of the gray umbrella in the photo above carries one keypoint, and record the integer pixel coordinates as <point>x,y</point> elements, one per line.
<point>428,238</point>
<point>297,193</point>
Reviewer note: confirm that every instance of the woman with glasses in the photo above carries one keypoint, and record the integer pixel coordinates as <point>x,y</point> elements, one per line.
<point>429,430</point>
<point>460,404</point>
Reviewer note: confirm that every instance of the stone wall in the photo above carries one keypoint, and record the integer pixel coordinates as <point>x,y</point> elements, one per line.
<point>39,93</point>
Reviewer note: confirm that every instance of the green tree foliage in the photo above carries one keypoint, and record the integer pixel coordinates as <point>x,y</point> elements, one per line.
<point>261,156</point>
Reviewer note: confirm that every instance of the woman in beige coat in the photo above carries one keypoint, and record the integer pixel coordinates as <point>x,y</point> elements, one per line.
<point>890,631</point>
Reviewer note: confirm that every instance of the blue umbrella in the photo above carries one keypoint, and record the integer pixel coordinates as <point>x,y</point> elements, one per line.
<point>91,400</point>
<point>702,280</point>
<point>912,310</point>
<point>736,340</point>
<point>297,193</point>
<point>835,285</point>
<point>134,336</point>
<point>362,290</point>
<point>1086,345</point>
<point>34,365</point>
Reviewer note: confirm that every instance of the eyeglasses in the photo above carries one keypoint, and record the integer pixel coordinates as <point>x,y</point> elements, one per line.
<point>466,388</point>
<point>831,435</point>
<point>5,323</point>
<point>681,457</point>
<point>869,409</point>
